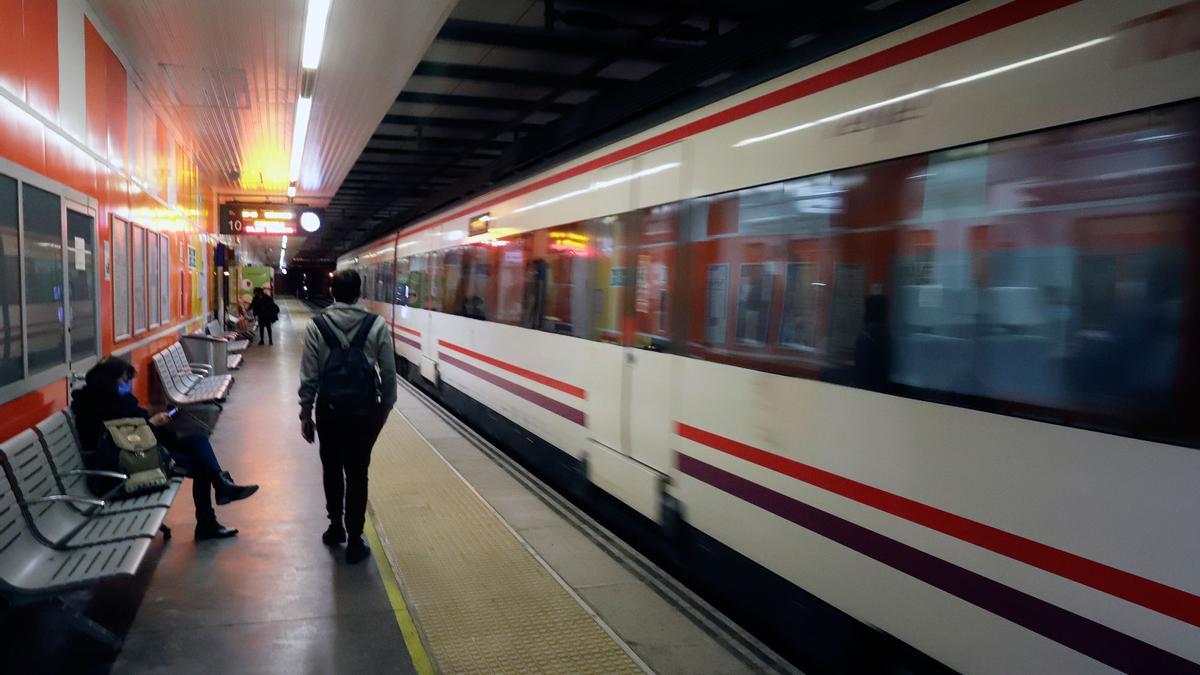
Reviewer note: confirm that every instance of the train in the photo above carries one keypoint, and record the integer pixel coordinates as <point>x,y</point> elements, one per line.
<point>902,343</point>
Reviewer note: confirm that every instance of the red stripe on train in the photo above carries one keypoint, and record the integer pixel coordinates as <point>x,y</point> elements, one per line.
<point>970,28</point>
<point>405,329</point>
<point>571,389</point>
<point>1153,595</point>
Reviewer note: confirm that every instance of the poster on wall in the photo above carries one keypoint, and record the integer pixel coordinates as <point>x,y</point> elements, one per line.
<point>252,278</point>
<point>164,272</point>
<point>138,255</point>
<point>120,238</point>
<point>152,277</point>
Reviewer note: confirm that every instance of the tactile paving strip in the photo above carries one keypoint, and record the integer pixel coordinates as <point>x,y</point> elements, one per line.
<point>482,602</point>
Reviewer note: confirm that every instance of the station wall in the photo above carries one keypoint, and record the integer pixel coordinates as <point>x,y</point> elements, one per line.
<point>75,125</point>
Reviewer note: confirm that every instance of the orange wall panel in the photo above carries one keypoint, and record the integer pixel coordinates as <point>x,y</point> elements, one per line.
<point>95,65</point>
<point>12,65</point>
<point>21,137</point>
<point>21,413</point>
<point>118,109</point>
<point>39,50</point>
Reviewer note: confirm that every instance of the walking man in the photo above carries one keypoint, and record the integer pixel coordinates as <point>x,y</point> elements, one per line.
<point>349,375</point>
<point>267,312</point>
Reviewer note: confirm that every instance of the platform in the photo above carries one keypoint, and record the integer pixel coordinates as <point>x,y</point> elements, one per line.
<point>477,566</point>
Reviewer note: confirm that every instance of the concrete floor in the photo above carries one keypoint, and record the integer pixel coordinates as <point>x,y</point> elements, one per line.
<point>271,600</point>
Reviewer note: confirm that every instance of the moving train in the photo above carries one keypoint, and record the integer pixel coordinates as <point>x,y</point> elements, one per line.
<point>903,341</point>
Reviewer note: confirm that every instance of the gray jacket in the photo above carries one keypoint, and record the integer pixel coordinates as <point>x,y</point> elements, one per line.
<point>345,319</point>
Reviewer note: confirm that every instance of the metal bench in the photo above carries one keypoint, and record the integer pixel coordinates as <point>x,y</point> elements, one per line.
<point>50,514</point>
<point>62,447</point>
<point>236,344</point>
<point>32,572</point>
<point>192,383</point>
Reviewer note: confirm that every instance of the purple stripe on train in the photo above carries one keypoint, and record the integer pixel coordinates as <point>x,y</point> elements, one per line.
<point>1106,645</point>
<point>557,407</point>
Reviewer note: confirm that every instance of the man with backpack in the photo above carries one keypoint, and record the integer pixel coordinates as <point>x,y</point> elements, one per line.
<point>348,376</point>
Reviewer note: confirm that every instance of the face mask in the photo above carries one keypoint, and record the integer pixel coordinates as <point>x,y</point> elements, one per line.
<point>125,388</point>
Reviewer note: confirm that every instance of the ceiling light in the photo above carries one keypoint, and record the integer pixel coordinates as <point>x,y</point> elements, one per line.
<point>303,111</point>
<point>310,222</point>
<point>291,191</point>
<point>314,33</point>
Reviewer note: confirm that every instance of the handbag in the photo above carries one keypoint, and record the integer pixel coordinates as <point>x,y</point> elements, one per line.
<point>139,455</point>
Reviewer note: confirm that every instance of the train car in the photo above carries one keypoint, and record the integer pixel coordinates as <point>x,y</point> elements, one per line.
<point>905,339</point>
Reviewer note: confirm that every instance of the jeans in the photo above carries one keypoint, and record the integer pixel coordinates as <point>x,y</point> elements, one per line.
<point>194,454</point>
<point>346,443</point>
<point>264,328</point>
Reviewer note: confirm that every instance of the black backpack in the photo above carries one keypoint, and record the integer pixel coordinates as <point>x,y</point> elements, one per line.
<point>348,382</point>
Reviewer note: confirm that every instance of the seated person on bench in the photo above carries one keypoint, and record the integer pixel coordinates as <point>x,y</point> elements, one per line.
<point>108,396</point>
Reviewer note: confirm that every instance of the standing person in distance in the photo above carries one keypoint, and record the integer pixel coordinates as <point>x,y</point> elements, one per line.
<point>348,375</point>
<point>267,313</point>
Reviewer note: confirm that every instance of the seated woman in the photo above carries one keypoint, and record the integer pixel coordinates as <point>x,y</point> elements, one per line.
<point>108,396</point>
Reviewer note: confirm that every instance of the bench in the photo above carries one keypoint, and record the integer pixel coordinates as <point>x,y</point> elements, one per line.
<point>235,344</point>
<point>189,385</point>
<point>211,351</point>
<point>55,536</point>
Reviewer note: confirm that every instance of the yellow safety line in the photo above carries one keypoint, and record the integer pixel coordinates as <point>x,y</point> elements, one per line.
<point>408,628</point>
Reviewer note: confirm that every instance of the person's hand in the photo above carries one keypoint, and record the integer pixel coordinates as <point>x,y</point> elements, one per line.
<point>308,430</point>
<point>161,419</point>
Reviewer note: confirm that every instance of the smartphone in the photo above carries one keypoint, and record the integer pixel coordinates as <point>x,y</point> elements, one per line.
<point>171,412</point>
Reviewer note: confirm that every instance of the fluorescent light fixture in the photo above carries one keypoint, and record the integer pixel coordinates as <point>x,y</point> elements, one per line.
<point>314,33</point>
<point>303,112</point>
<point>921,92</point>
<point>599,185</point>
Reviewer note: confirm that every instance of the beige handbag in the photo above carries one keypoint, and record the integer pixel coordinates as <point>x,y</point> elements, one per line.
<point>140,457</point>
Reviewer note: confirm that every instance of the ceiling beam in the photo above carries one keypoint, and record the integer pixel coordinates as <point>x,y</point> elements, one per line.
<point>531,78</point>
<point>450,122</point>
<point>574,43</point>
<point>488,102</point>
<point>436,140</point>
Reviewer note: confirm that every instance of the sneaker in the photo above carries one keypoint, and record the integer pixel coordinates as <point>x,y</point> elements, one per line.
<point>333,536</point>
<point>357,551</point>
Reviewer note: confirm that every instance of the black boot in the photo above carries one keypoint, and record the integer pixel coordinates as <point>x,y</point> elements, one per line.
<point>213,530</point>
<point>335,535</point>
<point>228,491</point>
<point>357,550</point>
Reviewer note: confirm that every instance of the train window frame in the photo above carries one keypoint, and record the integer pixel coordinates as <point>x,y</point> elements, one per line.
<point>33,382</point>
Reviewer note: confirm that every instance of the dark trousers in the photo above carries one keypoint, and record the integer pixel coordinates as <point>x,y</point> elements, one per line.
<point>264,328</point>
<point>194,455</point>
<point>346,442</point>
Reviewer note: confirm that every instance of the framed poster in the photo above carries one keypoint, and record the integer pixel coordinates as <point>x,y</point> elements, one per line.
<point>121,233</point>
<point>138,291</point>
<point>152,278</point>
<point>164,275</point>
<point>756,299</point>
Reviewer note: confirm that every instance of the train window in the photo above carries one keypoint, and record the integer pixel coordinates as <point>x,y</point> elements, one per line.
<point>386,286</point>
<point>564,268</point>
<point>400,294</point>
<point>450,281</point>
<point>655,260</point>
<point>610,276</point>
<point>510,262</point>
<point>81,280</point>
<point>475,281</point>
<point>418,285</point>
<point>12,359</point>
<point>44,279</point>
<point>434,275</point>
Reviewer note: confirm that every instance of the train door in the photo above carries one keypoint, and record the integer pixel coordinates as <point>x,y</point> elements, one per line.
<point>82,279</point>
<point>654,290</point>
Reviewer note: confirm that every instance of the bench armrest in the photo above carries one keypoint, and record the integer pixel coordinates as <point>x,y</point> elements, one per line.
<point>201,368</point>
<point>66,498</point>
<point>95,472</point>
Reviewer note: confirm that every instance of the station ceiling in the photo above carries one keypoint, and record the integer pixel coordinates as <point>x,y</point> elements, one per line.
<point>510,86</point>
